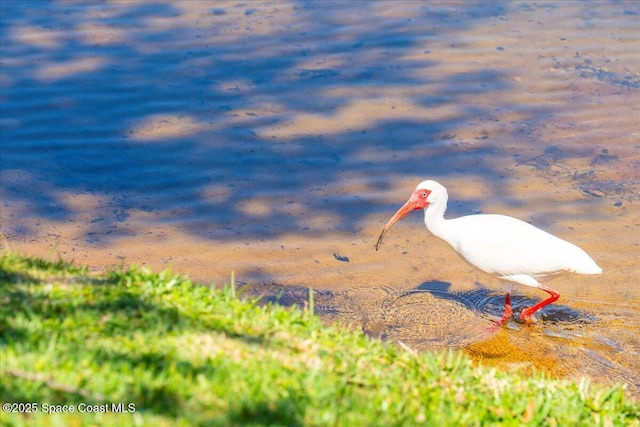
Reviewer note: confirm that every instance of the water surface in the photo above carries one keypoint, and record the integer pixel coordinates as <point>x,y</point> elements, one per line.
<point>276,139</point>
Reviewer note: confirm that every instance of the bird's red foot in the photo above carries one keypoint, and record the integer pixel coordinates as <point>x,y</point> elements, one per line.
<point>526,318</point>
<point>496,325</point>
<point>526,315</point>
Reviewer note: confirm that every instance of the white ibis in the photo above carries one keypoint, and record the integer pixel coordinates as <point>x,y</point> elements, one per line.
<point>514,250</point>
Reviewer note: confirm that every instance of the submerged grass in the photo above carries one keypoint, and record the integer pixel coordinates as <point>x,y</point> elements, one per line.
<point>171,353</point>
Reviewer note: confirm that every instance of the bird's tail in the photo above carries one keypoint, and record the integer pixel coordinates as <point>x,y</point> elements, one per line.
<point>587,266</point>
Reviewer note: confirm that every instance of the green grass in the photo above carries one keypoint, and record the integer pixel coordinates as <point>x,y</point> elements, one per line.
<point>186,354</point>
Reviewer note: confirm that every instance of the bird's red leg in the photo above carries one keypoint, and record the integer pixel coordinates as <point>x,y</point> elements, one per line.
<point>507,309</point>
<point>526,313</point>
<point>508,312</point>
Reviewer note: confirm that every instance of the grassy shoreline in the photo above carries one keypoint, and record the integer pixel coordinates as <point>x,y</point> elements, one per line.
<point>185,354</point>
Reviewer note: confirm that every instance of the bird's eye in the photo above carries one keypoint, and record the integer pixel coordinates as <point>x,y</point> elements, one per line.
<point>424,195</point>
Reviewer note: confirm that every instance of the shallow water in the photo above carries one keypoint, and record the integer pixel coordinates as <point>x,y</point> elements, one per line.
<point>276,139</point>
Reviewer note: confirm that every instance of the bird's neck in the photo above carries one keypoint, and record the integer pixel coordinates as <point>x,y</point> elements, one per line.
<point>434,219</point>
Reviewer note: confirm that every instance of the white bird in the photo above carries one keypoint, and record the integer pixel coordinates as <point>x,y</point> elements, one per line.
<point>497,244</point>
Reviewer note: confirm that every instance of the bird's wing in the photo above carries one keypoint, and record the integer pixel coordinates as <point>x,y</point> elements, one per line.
<point>507,246</point>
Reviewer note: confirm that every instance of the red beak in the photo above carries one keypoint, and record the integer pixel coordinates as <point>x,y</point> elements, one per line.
<point>412,204</point>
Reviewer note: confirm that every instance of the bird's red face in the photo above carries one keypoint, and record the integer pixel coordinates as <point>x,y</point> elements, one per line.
<point>418,200</point>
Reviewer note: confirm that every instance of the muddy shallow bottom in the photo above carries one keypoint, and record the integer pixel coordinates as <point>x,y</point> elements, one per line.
<point>565,342</point>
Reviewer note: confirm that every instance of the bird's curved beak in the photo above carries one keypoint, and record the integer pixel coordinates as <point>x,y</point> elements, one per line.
<point>411,205</point>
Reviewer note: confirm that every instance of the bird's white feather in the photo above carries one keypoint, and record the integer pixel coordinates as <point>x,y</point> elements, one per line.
<point>502,245</point>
